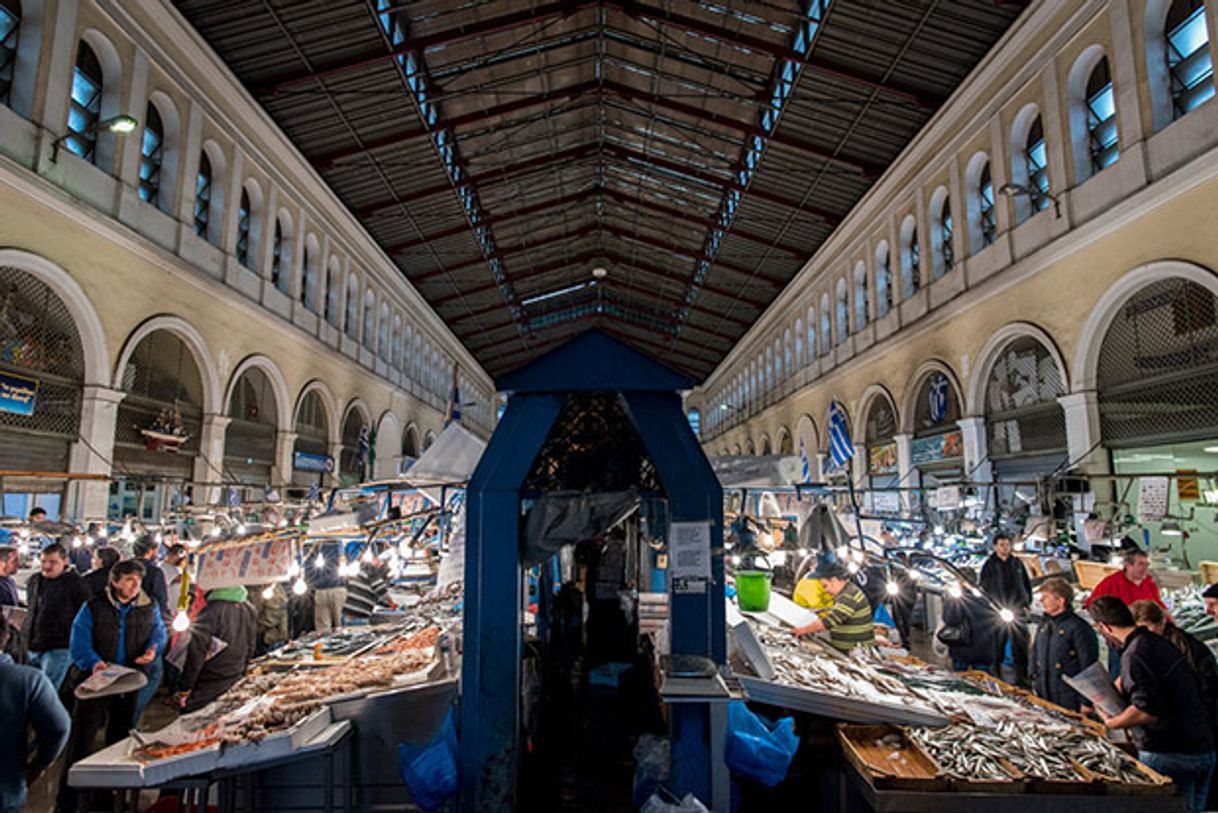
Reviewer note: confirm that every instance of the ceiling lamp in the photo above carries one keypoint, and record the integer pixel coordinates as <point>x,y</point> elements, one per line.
<point>1170,528</point>
<point>600,272</point>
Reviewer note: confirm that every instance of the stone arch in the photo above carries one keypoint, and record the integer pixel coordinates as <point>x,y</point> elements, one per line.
<point>113,85</point>
<point>785,445</point>
<point>410,441</point>
<point>29,52</point>
<point>974,394</point>
<point>216,209</point>
<point>972,199</point>
<point>805,431</point>
<point>1087,347</point>
<point>1017,149</point>
<point>279,387</point>
<point>193,340</point>
<point>1076,105</point>
<point>329,404</point>
<point>908,407</point>
<point>388,446</point>
<point>868,398</point>
<point>88,323</point>
<point>168,191</point>
<point>429,437</point>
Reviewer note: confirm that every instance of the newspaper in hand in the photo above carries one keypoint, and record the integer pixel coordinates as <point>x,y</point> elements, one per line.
<point>1094,684</point>
<point>105,681</point>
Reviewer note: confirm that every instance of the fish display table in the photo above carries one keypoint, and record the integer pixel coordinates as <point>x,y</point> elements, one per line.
<point>858,793</point>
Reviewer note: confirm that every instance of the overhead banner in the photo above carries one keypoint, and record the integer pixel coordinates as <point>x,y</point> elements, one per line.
<point>882,459</point>
<point>311,461</point>
<point>17,394</point>
<point>938,447</point>
<point>248,563</point>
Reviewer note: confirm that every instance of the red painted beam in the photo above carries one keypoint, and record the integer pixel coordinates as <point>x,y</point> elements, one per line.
<point>780,50</point>
<point>494,220</point>
<point>479,28</point>
<point>326,160</point>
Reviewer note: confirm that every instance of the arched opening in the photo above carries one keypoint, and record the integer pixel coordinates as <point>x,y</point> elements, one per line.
<point>156,433</point>
<point>311,460</point>
<point>937,448</point>
<point>281,254</point>
<point>249,441</point>
<point>428,439</point>
<point>351,317</point>
<point>1029,163</point>
<point>879,432</point>
<point>862,296</point>
<point>369,320</point>
<point>911,258</point>
<point>694,416</point>
<point>1025,425</point>
<point>1093,121</point>
<point>312,273</point>
<point>210,189</point>
<point>10,32</point>
<point>883,280</point>
<point>1179,67</point>
<point>84,107</point>
<point>410,447</point>
<point>334,289</point>
<point>943,252</point>
<point>841,310</point>
<point>42,365</point>
<point>354,458</point>
<point>785,444</point>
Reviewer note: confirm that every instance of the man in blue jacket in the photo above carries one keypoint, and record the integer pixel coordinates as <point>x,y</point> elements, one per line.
<point>1065,645</point>
<point>121,626</point>
<point>27,701</point>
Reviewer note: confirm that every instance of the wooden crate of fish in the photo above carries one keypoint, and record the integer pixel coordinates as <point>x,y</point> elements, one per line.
<point>973,759</point>
<point>1135,779</point>
<point>1092,573</point>
<point>888,759</point>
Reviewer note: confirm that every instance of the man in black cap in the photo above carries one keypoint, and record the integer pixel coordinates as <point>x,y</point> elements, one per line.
<point>1210,594</point>
<point>849,622</point>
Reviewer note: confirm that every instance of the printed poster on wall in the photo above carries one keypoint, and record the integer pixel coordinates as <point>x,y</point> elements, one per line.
<point>17,394</point>
<point>882,459</point>
<point>1152,498</point>
<point>689,550</point>
<point>937,447</point>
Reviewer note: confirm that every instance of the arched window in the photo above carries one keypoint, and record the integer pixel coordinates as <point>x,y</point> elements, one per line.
<point>788,366</point>
<point>406,339</point>
<point>308,285</point>
<point>883,281</point>
<point>10,25</point>
<point>281,255</point>
<point>811,335</point>
<point>769,370</point>
<point>244,212</point>
<point>941,229</point>
<point>862,296</point>
<point>84,111</point>
<point>369,320</point>
<point>826,326</point>
<point>334,287</point>
<point>799,344</point>
<point>1036,157</point>
<point>695,421</point>
<point>152,151</point>
<point>1022,414</point>
<point>985,202</point>
<point>1191,71</point>
<point>382,333</point>
<point>203,181</point>
<point>351,319</point>
<point>911,258</point>
<point>1102,144</point>
<point>841,309</point>
<point>395,342</point>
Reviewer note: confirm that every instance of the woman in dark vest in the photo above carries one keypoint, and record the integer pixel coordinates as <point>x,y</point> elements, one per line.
<point>120,626</point>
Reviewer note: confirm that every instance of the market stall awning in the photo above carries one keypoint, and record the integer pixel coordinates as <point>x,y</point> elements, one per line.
<point>768,472</point>
<point>451,459</point>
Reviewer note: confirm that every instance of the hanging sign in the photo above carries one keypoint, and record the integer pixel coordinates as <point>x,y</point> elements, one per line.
<point>310,461</point>
<point>885,502</point>
<point>937,394</point>
<point>946,498</point>
<point>882,459</point>
<point>1152,498</point>
<point>255,562</point>
<point>17,394</point>
<point>689,550</point>
<point>1188,488</point>
<point>937,447</point>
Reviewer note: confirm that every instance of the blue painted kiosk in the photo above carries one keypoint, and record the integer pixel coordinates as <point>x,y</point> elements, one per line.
<point>548,439</point>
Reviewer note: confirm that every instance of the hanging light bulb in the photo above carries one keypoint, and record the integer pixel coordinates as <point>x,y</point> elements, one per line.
<point>77,542</point>
<point>735,560</point>
<point>102,532</point>
<point>299,587</point>
<point>268,592</point>
<point>802,552</point>
<point>24,533</point>
<point>915,574</point>
<point>240,529</point>
<point>368,557</point>
<point>954,591</point>
<point>181,621</point>
<point>892,587</point>
<point>1006,615</point>
<point>857,556</point>
<point>852,568</point>
<point>319,562</point>
<point>843,552</point>
<point>975,592</point>
<point>293,570</point>
<point>157,537</point>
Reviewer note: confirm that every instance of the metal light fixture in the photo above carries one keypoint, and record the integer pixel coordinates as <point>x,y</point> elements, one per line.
<point>1012,190</point>
<point>121,125</point>
<point>1170,528</point>
<point>600,272</point>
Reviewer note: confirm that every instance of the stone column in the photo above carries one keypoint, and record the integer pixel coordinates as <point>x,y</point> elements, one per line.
<point>281,472</point>
<point>92,453</point>
<point>336,453</point>
<point>860,465</point>
<point>1082,412</point>
<point>209,465</point>
<point>977,465</point>
<point>904,466</point>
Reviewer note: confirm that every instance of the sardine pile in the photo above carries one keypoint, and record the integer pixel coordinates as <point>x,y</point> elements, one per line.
<point>841,677</point>
<point>1041,752</point>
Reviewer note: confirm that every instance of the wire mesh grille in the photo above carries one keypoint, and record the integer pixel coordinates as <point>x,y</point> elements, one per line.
<point>1158,369</point>
<point>881,421</point>
<point>349,462</point>
<point>249,442</point>
<point>161,380</point>
<point>593,446</point>
<point>1021,410</point>
<point>311,420</point>
<point>38,339</point>
<point>938,406</point>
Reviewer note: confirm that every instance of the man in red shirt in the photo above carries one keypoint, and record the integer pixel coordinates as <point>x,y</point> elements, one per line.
<point>1131,583</point>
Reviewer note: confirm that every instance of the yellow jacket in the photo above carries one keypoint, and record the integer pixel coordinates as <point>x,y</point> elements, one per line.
<point>812,594</point>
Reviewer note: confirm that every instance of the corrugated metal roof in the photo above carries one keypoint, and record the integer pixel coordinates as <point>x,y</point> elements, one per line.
<point>699,151</point>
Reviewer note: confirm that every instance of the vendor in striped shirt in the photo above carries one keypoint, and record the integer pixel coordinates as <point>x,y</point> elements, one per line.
<point>849,621</point>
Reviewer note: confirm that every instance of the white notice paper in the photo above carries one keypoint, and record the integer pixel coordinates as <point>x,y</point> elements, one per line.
<point>1152,498</point>
<point>689,550</point>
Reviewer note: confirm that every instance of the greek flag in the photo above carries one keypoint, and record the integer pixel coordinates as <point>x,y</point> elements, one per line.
<point>314,492</point>
<point>938,397</point>
<point>806,470</point>
<point>234,498</point>
<point>840,447</point>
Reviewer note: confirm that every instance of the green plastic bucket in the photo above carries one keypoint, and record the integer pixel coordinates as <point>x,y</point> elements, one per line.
<point>753,590</point>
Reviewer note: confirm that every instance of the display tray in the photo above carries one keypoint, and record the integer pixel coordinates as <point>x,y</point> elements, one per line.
<point>916,772</point>
<point>116,767</point>
<point>276,745</point>
<point>851,710</point>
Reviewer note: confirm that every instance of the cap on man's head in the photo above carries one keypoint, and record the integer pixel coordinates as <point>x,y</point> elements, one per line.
<point>38,512</point>
<point>1210,592</point>
<point>831,570</point>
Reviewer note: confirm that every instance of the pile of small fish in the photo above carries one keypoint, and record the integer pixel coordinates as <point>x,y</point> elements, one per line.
<point>842,677</point>
<point>1041,752</point>
<point>1188,610</point>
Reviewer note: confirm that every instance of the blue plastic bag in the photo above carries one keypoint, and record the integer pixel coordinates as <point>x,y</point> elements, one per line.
<point>758,749</point>
<point>430,771</point>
